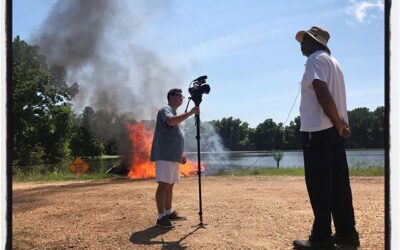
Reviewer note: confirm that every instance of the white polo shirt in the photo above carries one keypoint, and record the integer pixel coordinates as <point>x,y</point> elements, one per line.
<point>320,65</point>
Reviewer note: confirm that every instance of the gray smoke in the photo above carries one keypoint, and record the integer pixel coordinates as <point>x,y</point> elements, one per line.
<point>101,45</point>
<point>213,152</point>
<point>72,34</point>
<point>98,41</point>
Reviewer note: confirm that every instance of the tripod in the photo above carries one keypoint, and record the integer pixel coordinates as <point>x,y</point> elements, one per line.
<point>196,91</point>
<point>197,117</point>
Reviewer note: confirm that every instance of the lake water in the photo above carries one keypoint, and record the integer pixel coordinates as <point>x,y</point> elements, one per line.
<point>237,160</point>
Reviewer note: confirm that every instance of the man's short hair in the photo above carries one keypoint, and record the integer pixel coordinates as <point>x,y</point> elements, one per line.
<point>173,92</point>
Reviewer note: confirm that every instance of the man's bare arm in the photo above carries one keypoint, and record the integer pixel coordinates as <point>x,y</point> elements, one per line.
<point>180,118</point>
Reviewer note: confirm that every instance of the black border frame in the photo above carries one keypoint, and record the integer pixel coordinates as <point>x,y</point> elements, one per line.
<point>387,44</point>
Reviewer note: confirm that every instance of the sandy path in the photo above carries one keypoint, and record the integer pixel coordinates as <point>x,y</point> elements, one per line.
<point>240,212</point>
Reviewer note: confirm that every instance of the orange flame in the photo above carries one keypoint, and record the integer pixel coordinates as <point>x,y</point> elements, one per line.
<point>141,167</point>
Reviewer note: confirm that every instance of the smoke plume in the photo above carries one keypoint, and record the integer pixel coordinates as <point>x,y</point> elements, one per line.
<point>102,46</point>
<point>99,42</point>
<point>213,151</point>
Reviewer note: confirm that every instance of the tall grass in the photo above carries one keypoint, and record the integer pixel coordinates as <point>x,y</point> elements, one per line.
<point>361,168</point>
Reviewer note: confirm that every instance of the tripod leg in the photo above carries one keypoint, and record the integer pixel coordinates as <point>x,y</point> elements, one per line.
<point>199,169</point>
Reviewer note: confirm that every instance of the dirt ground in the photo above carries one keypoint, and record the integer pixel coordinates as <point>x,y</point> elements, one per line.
<point>254,212</point>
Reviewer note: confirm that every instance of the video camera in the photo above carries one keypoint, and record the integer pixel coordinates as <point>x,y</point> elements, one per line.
<point>199,88</point>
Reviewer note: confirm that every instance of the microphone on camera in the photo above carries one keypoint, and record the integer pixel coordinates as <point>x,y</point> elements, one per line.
<point>200,79</point>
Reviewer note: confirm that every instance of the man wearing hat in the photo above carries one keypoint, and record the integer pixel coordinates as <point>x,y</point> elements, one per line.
<point>324,128</point>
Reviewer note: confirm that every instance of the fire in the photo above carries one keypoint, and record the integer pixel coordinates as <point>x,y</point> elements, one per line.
<point>141,167</point>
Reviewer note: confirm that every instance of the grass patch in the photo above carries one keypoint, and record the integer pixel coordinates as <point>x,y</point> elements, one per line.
<point>298,171</point>
<point>53,173</point>
<point>57,176</point>
<point>53,177</point>
<point>361,168</point>
<point>368,171</point>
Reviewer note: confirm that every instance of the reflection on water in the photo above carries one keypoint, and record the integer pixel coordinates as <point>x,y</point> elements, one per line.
<point>237,160</point>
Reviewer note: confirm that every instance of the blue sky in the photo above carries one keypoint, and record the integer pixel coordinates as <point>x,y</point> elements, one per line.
<point>247,48</point>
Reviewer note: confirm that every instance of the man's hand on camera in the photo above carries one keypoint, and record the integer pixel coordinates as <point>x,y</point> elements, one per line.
<point>343,129</point>
<point>183,159</point>
<point>195,110</point>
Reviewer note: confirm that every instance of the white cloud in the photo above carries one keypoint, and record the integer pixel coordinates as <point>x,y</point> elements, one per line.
<point>365,11</point>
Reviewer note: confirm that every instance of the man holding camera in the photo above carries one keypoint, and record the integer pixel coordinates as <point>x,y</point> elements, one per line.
<point>167,152</point>
<point>323,116</point>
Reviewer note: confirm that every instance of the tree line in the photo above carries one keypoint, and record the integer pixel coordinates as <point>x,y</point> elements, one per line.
<point>367,129</point>
<point>45,129</point>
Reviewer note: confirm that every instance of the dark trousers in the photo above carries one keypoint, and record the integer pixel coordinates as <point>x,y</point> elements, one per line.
<point>328,185</point>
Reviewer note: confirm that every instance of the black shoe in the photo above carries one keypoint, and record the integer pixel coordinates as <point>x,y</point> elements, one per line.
<point>175,216</point>
<point>164,223</point>
<point>350,239</point>
<point>308,244</point>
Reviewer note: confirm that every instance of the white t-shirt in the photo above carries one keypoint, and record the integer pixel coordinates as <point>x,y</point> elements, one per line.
<point>320,65</point>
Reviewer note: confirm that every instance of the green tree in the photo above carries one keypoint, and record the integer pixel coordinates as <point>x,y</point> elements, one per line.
<point>267,135</point>
<point>234,132</point>
<point>292,135</point>
<point>378,127</point>
<point>84,142</point>
<point>106,128</point>
<point>361,121</point>
<point>277,155</point>
<point>55,133</point>
<point>367,132</point>
<point>41,116</point>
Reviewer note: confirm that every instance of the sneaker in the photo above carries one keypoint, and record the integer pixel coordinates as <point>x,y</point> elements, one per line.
<point>350,239</point>
<point>164,223</point>
<point>308,244</point>
<point>175,216</point>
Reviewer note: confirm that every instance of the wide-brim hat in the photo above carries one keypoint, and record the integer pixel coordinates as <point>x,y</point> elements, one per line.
<point>318,33</point>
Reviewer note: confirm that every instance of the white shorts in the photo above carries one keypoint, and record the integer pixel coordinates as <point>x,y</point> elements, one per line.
<point>167,171</point>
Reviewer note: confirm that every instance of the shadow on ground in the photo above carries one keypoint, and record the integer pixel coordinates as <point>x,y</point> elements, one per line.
<point>345,247</point>
<point>146,237</point>
<point>340,247</point>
